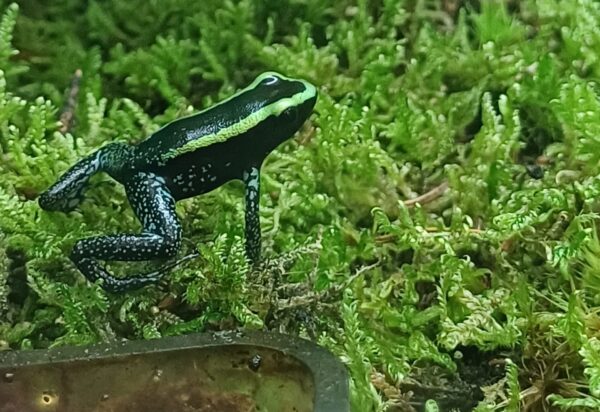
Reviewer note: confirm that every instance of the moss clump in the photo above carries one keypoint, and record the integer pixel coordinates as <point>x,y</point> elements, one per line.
<point>480,294</point>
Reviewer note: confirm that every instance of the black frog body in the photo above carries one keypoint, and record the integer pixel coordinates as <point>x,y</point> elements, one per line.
<point>185,158</point>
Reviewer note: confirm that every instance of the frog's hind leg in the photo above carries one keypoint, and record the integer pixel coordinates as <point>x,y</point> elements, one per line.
<point>161,236</point>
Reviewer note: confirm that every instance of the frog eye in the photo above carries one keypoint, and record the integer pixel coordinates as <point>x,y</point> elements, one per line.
<point>270,80</point>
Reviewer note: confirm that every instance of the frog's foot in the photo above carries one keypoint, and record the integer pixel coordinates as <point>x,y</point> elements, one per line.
<point>87,252</point>
<point>163,284</point>
<point>93,271</point>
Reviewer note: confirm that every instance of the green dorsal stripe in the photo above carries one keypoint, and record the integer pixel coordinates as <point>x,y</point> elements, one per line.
<point>247,123</point>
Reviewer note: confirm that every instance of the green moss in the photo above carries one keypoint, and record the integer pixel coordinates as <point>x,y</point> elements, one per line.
<point>471,99</point>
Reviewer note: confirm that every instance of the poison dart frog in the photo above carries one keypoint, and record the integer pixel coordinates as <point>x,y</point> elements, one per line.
<point>185,158</point>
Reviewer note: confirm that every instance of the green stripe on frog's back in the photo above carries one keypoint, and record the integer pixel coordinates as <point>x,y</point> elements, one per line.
<point>239,113</point>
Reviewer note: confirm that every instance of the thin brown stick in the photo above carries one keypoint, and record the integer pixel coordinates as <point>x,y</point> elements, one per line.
<point>390,237</point>
<point>428,196</point>
<point>68,113</point>
<point>311,297</point>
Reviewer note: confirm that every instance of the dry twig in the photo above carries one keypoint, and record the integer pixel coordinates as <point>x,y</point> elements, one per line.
<point>428,196</point>
<point>68,113</point>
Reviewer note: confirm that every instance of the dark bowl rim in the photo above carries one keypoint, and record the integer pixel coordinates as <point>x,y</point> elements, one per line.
<point>329,374</point>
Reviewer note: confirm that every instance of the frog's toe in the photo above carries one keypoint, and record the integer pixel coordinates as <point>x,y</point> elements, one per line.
<point>46,202</point>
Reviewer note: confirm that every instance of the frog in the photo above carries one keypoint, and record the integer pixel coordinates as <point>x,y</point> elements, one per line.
<point>187,157</point>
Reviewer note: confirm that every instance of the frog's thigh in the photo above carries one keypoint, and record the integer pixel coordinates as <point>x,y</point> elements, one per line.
<point>154,206</point>
<point>161,236</point>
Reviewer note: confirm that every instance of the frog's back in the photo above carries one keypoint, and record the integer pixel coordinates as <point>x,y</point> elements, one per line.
<point>269,95</point>
<point>179,133</point>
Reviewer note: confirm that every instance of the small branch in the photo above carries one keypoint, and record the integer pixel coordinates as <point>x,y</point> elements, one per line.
<point>358,273</point>
<point>429,196</point>
<point>387,238</point>
<point>299,301</point>
<point>431,232</point>
<point>307,132</point>
<point>68,112</point>
<point>311,297</point>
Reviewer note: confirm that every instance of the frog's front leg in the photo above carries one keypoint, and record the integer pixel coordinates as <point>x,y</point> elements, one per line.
<point>67,192</point>
<point>161,236</point>
<point>251,178</point>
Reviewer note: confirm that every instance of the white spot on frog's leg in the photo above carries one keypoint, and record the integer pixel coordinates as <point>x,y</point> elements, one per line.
<point>213,178</point>
<point>251,178</point>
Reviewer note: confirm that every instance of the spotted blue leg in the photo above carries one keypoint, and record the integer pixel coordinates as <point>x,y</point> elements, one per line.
<point>160,238</point>
<point>68,191</point>
<point>251,178</point>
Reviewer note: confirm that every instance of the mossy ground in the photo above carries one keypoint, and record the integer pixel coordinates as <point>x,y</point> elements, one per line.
<point>484,294</point>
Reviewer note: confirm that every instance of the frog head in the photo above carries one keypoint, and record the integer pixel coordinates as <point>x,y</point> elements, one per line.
<point>282,105</point>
